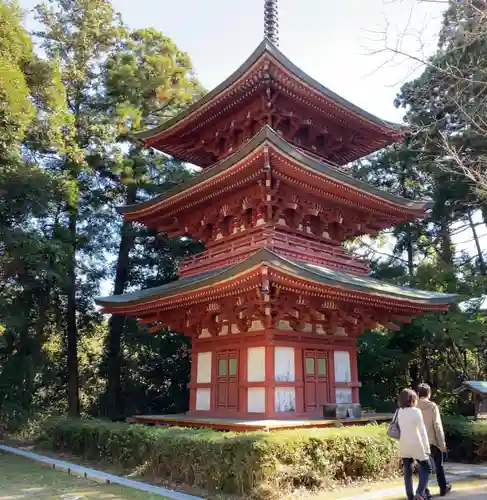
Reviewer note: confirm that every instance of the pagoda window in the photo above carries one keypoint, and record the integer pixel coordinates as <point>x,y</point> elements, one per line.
<point>310,366</point>
<point>232,367</point>
<point>227,367</point>
<point>222,368</point>
<point>321,362</point>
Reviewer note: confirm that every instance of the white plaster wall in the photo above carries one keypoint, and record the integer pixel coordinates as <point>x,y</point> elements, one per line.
<point>203,373</point>
<point>203,399</point>
<point>343,395</point>
<point>342,366</point>
<point>284,364</point>
<point>256,364</point>
<point>256,400</point>
<point>285,399</point>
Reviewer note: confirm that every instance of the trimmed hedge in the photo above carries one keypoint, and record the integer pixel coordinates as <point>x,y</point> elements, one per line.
<point>243,463</point>
<point>466,439</point>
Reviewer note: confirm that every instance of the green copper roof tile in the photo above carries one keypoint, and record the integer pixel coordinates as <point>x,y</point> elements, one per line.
<point>305,270</point>
<point>266,47</point>
<point>269,136</point>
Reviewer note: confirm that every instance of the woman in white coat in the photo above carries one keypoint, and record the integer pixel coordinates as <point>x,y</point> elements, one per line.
<point>413,444</point>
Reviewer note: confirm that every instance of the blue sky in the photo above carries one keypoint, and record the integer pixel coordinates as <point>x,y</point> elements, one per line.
<point>332,41</point>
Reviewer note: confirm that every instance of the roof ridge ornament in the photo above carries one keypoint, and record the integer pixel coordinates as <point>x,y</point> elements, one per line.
<point>271,21</point>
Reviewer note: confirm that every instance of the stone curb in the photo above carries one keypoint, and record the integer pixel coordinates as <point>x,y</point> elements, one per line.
<point>98,476</point>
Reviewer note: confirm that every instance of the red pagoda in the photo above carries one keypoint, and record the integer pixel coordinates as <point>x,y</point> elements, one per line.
<point>274,304</point>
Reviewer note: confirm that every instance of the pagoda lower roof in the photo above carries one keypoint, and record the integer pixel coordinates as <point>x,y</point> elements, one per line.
<point>246,80</point>
<point>308,165</point>
<point>304,272</point>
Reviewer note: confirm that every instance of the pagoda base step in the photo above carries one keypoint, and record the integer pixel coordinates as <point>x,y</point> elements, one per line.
<point>342,411</point>
<point>245,425</point>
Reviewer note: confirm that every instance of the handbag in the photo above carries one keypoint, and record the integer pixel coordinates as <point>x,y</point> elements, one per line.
<point>394,430</point>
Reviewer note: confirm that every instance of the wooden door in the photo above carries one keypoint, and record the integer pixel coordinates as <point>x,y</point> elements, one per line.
<point>227,380</point>
<point>316,391</point>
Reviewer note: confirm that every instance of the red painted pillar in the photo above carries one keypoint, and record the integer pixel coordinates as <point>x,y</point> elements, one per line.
<point>299,374</point>
<point>331,375</point>
<point>192,379</point>
<point>242,381</point>
<point>269,381</point>
<point>354,375</point>
<point>214,373</point>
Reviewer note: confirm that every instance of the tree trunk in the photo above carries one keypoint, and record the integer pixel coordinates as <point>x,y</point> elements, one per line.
<point>409,239</point>
<point>410,251</point>
<point>414,375</point>
<point>71,326</point>
<point>446,251</point>
<point>114,408</point>
<point>482,266</point>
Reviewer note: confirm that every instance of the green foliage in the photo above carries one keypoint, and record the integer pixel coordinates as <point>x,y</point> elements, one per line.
<point>32,96</point>
<point>65,164</point>
<point>383,368</point>
<point>230,462</point>
<point>466,439</point>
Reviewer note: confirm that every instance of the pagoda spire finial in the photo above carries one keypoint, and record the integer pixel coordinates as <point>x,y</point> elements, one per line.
<point>271,21</point>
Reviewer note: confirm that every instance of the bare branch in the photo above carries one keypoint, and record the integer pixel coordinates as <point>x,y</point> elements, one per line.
<point>456,74</point>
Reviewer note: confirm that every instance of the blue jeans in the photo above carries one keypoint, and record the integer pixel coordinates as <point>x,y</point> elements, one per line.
<point>424,472</point>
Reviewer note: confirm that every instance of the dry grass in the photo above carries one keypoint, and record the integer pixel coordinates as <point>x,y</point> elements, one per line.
<point>24,479</point>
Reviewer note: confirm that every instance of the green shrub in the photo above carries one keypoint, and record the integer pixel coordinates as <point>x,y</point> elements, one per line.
<point>466,439</point>
<point>238,463</point>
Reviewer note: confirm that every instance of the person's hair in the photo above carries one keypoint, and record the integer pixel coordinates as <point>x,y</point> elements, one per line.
<point>407,398</point>
<point>424,391</point>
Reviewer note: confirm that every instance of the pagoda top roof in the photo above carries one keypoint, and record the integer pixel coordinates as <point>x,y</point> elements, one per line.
<point>228,93</point>
<point>268,136</point>
<point>298,269</point>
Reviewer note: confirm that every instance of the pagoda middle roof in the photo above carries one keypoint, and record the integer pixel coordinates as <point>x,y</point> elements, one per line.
<point>309,164</point>
<point>294,268</point>
<point>233,89</point>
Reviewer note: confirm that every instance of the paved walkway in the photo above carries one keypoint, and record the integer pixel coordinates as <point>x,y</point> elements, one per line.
<point>469,478</point>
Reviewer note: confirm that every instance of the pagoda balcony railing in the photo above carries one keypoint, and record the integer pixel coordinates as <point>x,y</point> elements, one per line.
<point>232,251</point>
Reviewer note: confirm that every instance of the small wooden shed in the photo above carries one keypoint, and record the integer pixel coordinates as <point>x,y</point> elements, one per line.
<point>478,389</point>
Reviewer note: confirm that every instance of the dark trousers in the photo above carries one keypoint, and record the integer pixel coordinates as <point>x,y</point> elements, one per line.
<point>424,472</point>
<point>439,459</point>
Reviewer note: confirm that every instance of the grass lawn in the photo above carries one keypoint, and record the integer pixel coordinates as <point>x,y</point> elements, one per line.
<point>21,478</point>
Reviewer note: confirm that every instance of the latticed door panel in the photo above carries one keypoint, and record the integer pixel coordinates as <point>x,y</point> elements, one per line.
<point>316,381</point>
<point>227,380</point>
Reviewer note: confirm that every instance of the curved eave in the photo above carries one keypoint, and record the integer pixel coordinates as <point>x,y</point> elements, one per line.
<point>267,48</point>
<point>269,136</point>
<point>318,275</point>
